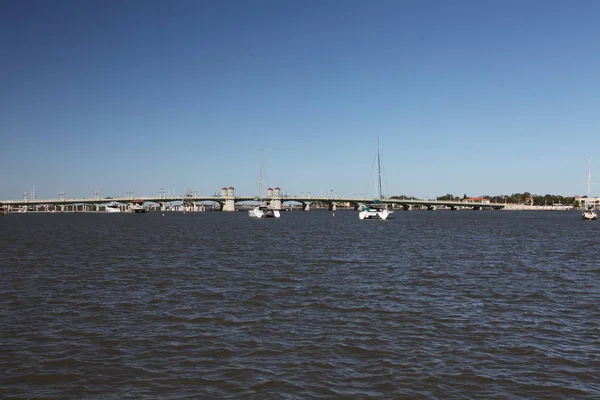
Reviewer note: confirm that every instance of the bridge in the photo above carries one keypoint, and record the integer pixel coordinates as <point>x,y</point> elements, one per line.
<point>227,201</point>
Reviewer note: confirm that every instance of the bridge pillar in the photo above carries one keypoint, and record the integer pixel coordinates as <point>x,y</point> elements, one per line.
<point>229,205</point>
<point>163,206</point>
<point>276,204</point>
<point>407,207</point>
<point>332,206</point>
<point>276,199</point>
<point>306,206</point>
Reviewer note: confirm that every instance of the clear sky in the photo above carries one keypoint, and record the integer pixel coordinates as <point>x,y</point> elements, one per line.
<point>467,97</point>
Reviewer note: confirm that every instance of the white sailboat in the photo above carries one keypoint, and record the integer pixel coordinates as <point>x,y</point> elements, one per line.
<point>590,213</point>
<point>263,210</point>
<point>377,210</point>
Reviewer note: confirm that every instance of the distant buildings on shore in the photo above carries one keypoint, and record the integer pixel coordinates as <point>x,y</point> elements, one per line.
<point>587,202</point>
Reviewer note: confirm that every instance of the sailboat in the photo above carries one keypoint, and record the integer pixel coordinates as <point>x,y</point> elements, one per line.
<point>376,210</point>
<point>590,213</point>
<point>262,210</point>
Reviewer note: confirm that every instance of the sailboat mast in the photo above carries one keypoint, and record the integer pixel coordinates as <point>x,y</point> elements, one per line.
<point>261,173</point>
<point>378,171</point>
<point>589,183</point>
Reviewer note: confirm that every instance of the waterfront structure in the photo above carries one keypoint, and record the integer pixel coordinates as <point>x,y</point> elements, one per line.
<point>229,201</point>
<point>483,200</point>
<point>5,209</point>
<point>588,202</point>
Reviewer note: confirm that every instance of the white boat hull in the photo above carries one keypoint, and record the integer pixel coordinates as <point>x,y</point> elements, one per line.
<point>589,215</point>
<point>113,210</point>
<point>260,212</point>
<point>375,214</point>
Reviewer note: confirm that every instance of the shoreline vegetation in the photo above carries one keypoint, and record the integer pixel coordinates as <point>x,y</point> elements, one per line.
<point>525,198</point>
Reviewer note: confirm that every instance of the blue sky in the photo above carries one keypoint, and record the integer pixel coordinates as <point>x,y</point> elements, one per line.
<point>475,97</point>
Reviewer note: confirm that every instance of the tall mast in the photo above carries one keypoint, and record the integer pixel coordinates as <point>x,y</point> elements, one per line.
<point>378,171</point>
<point>589,183</point>
<point>261,173</point>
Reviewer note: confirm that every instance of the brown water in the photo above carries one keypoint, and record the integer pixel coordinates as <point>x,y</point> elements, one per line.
<point>436,305</point>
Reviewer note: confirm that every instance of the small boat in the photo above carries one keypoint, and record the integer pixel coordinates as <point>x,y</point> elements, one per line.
<point>589,215</point>
<point>113,207</point>
<point>377,210</point>
<point>263,211</point>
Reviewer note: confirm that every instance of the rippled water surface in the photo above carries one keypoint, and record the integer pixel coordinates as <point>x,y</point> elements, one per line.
<point>464,304</point>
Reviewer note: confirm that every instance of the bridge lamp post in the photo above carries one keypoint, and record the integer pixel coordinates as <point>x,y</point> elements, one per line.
<point>61,196</point>
<point>130,193</point>
<point>161,193</point>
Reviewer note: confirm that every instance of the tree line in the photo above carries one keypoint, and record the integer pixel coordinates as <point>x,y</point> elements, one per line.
<point>515,198</point>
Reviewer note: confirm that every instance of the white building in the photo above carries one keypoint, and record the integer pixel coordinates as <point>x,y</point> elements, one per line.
<point>588,201</point>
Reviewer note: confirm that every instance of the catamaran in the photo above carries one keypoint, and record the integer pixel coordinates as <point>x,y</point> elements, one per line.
<point>263,210</point>
<point>377,210</point>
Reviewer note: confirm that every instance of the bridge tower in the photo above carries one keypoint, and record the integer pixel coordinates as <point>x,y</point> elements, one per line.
<point>229,200</point>
<point>276,199</point>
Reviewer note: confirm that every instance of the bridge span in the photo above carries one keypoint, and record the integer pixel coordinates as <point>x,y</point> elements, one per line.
<point>227,201</point>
